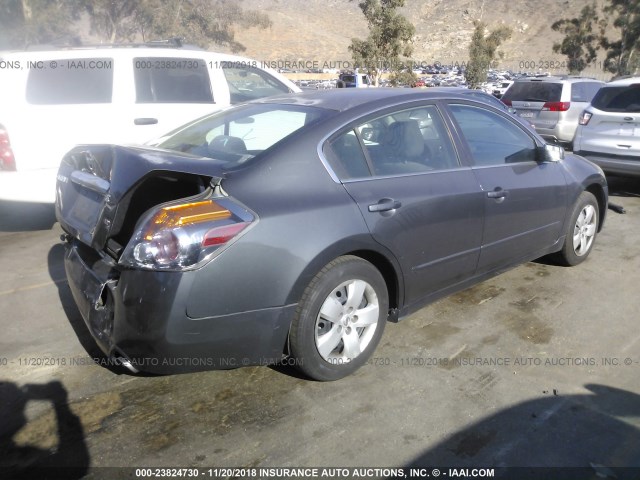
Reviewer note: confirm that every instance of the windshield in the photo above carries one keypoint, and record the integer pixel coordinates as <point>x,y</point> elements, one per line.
<point>618,99</point>
<point>239,134</point>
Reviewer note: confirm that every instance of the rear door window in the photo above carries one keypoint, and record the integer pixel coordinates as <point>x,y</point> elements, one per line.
<point>71,81</point>
<point>171,80</point>
<point>401,143</point>
<point>534,92</point>
<point>584,91</point>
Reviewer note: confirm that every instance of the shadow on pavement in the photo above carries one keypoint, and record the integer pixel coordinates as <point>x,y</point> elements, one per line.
<point>624,186</point>
<point>591,433</point>
<point>26,217</point>
<point>68,460</point>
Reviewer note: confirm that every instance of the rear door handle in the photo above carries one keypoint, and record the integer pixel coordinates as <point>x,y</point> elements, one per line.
<point>145,121</point>
<point>498,193</point>
<point>384,205</point>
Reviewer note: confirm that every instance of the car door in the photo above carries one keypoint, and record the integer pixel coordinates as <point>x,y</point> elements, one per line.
<point>525,199</point>
<point>168,90</point>
<point>402,170</point>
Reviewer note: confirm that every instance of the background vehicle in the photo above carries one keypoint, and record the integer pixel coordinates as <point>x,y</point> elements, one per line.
<point>52,100</point>
<point>609,130</point>
<point>501,88</point>
<point>552,104</point>
<point>354,80</point>
<point>299,224</point>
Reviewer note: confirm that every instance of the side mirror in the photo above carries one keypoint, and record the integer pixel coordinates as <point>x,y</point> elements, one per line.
<point>552,153</point>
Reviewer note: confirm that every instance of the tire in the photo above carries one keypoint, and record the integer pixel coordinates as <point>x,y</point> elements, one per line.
<point>340,84</point>
<point>581,232</point>
<point>327,339</point>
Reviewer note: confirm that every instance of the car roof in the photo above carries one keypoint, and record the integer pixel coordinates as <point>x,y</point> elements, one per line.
<point>109,51</point>
<point>557,78</point>
<point>623,82</point>
<point>342,99</point>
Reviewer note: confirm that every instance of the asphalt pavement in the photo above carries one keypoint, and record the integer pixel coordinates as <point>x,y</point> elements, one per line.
<point>537,367</point>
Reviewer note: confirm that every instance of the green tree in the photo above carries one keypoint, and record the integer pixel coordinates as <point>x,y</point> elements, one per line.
<point>390,39</point>
<point>623,56</point>
<point>199,22</point>
<point>482,52</point>
<point>32,22</point>
<point>580,43</point>
<point>114,20</point>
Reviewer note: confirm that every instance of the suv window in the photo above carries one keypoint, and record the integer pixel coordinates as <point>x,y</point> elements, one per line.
<point>534,92</point>
<point>249,83</point>
<point>584,91</point>
<point>171,80</point>
<point>493,139</point>
<point>72,81</point>
<point>618,99</point>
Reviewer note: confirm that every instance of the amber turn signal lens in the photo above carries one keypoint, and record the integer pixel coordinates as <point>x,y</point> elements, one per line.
<point>186,214</point>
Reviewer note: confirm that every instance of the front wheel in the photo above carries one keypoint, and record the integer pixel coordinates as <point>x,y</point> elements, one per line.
<point>340,319</point>
<point>582,230</point>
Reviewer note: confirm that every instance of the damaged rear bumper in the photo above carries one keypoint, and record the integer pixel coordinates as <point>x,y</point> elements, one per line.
<point>140,318</point>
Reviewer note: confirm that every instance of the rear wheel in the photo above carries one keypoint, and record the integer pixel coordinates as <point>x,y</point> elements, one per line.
<point>340,319</point>
<point>582,230</point>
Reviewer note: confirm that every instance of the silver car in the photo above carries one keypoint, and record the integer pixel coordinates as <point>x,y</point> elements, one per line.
<point>609,131</point>
<point>552,104</point>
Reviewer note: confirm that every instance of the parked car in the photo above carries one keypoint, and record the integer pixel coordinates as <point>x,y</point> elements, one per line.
<point>54,99</point>
<point>354,80</point>
<point>501,88</point>
<point>552,104</point>
<point>609,130</point>
<point>298,225</point>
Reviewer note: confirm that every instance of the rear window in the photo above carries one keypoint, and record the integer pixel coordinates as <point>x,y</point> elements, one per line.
<point>237,135</point>
<point>171,80</point>
<point>71,81</point>
<point>534,92</point>
<point>618,99</point>
<point>584,91</point>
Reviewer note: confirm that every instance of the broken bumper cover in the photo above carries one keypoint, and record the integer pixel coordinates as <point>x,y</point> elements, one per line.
<point>140,317</point>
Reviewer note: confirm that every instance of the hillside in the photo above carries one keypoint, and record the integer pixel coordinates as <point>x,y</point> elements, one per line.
<point>321,30</point>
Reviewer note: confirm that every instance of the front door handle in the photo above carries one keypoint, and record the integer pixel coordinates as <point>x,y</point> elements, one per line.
<point>384,205</point>
<point>145,121</point>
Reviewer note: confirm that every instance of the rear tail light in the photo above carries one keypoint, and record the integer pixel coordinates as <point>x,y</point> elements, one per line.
<point>585,117</point>
<point>556,106</point>
<point>184,236</point>
<point>7,160</point>
<point>506,102</point>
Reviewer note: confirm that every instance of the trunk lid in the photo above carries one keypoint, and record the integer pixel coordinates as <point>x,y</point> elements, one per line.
<point>96,185</point>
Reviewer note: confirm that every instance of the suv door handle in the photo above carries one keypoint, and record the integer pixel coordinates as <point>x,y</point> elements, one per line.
<point>498,193</point>
<point>145,121</point>
<point>384,205</point>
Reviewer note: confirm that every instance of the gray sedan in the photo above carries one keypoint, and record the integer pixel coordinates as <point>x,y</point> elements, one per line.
<point>295,227</point>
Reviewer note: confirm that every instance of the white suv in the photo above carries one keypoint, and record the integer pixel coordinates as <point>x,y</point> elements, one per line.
<point>609,130</point>
<point>51,100</point>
